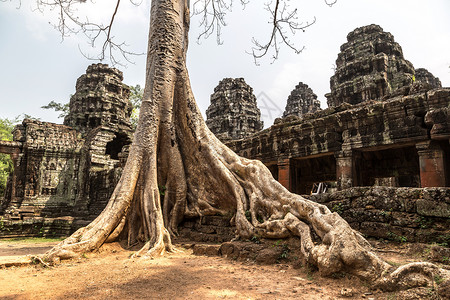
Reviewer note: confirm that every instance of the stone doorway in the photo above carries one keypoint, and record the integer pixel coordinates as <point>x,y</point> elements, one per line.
<point>397,167</point>
<point>308,171</point>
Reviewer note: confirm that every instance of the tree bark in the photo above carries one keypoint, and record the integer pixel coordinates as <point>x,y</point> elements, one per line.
<point>178,168</point>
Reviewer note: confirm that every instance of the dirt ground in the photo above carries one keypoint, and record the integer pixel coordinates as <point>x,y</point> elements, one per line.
<point>111,274</point>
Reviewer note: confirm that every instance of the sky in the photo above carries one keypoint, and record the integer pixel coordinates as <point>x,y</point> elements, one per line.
<point>38,66</point>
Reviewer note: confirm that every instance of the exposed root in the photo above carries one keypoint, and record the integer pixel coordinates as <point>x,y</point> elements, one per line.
<point>151,249</point>
<point>412,275</point>
<point>37,259</point>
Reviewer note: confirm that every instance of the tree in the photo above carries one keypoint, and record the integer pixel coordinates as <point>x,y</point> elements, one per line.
<point>63,108</point>
<point>136,94</point>
<point>6,164</point>
<point>177,168</point>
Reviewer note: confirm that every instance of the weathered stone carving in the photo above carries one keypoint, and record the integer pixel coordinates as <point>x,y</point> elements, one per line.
<point>301,101</point>
<point>233,113</point>
<point>424,76</point>
<point>370,66</point>
<point>44,177</point>
<point>100,99</point>
<point>72,169</point>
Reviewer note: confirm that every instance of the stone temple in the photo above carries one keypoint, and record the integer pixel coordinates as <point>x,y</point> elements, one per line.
<point>301,101</point>
<point>424,76</point>
<point>233,113</point>
<point>393,131</point>
<point>71,169</point>
<point>381,148</point>
<point>370,66</point>
<point>383,143</point>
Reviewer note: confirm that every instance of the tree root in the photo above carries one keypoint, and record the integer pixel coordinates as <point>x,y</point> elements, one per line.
<point>36,259</point>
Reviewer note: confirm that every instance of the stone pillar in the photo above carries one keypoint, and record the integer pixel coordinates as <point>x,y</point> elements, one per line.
<point>344,169</point>
<point>431,163</point>
<point>15,159</point>
<point>284,173</point>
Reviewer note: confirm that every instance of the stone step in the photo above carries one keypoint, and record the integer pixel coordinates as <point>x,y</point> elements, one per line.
<point>14,261</point>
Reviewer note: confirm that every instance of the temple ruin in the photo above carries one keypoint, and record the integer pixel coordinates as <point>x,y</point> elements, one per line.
<point>382,145</point>
<point>70,170</point>
<point>233,113</point>
<point>370,66</point>
<point>301,101</point>
<point>391,132</point>
<point>381,148</point>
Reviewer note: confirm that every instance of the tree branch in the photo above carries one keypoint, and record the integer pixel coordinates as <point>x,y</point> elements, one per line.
<point>283,19</point>
<point>69,23</point>
<point>284,25</point>
<point>212,14</point>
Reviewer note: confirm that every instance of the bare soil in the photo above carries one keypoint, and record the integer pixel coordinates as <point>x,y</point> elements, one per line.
<point>111,274</point>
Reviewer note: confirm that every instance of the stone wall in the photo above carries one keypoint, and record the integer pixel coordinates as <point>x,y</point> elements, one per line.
<point>396,214</point>
<point>44,176</point>
<point>210,229</point>
<point>399,214</point>
<point>39,227</point>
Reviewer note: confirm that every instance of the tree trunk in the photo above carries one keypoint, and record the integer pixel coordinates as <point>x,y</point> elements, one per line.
<point>177,168</point>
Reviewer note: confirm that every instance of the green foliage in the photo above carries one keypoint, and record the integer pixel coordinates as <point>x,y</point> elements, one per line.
<point>284,254</point>
<point>255,239</point>
<point>63,108</point>
<point>338,275</point>
<point>6,164</point>
<point>284,249</point>
<point>260,219</point>
<point>445,238</point>
<point>310,270</point>
<point>27,116</point>
<point>392,296</point>
<point>424,222</point>
<point>277,243</point>
<point>136,94</point>
<point>6,168</point>
<point>438,279</point>
<point>6,127</point>
<point>162,190</point>
<point>32,240</point>
<point>248,215</point>
<point>398,238</point>
<point>338,207</point>
<point>393,263</point>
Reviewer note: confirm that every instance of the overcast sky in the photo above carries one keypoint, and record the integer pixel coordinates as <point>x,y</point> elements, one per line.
<point>36,67</point>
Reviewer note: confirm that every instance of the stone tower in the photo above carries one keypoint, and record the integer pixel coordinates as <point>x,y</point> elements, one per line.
<point>100,99</point>
<point>233,113</point>
<point>301,101</point>
<point>424,76</point>
<point>370,66</point>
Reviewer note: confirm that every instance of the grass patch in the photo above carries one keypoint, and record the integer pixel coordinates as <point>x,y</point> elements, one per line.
<point>438,279</point>
<point>393,263</point>
<point>30,240</point>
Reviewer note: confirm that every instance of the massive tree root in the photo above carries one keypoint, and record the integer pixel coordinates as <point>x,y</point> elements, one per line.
<point>177,168</point>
